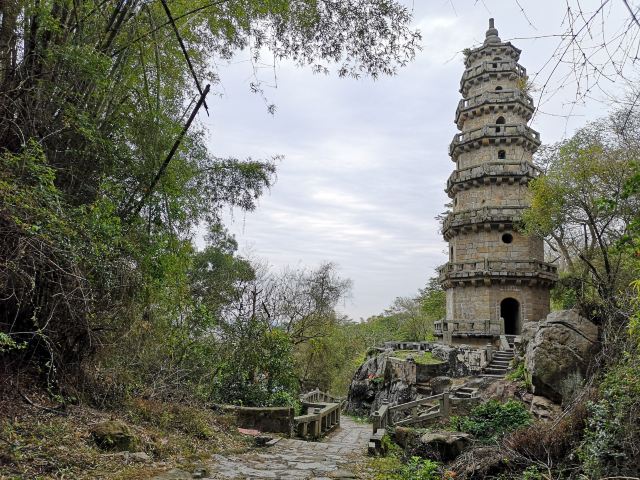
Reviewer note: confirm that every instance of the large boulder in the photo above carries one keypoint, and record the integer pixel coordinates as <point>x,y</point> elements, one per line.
<point>558,356</point>
<point>441,445</point>
<point>444,445</point>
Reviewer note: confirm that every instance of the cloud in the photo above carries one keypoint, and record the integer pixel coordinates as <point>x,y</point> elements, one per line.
<point>365,161</point>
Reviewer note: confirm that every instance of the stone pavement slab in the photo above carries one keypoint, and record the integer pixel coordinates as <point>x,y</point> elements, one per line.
<point>290,458</point>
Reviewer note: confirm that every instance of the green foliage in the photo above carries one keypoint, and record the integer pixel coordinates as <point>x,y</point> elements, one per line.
<point>532,473</point>
<point>613,426</point>
<point>585,205</point>
<point>260,370</point>
<point>98,224</point>
<point>330,360</point>
<point>7,343</point>
<point>421,469</point>
<point>491,420</point>
<point>519,374</point>
<point>392,467</point>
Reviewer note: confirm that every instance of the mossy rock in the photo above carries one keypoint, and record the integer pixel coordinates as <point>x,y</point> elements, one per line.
<point>114,435</point>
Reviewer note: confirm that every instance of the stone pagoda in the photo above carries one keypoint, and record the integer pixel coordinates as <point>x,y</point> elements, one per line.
<point>496,278</point>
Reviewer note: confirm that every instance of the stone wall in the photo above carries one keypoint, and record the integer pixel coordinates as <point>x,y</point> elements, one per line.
<point>509,116</point>
<point>265,419</point>
<point>489,153</point>
<point>495,195</point>
<point>489,244</point>
<point>483,302</point>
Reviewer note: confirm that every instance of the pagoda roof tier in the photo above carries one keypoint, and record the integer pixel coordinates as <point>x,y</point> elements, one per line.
<point>493,102</point>
<point>489,271</point>
<point>490,69</point>
<point>487,218</point>
<point>504,50</point>
<point>493,134</point>
<point>491,172</point>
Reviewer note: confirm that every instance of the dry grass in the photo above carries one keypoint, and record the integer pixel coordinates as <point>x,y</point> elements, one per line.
<point>39,444</point>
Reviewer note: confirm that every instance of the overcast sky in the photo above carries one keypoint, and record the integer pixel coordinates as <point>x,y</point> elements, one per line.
<point>365,162</point>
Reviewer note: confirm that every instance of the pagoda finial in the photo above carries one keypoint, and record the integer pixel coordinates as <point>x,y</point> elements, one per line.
<point>492,34</point>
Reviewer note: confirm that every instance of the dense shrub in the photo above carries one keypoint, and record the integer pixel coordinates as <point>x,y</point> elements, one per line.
<point>610,446</point>
<point>551,442</point>
<point>492,420</point>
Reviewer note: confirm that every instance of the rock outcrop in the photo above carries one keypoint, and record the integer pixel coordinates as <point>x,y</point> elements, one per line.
<point>558,356</point>
<point>381,378</point>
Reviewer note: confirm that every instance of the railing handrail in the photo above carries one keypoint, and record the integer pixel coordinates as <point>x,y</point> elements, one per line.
<point>500,66</point>
<point>497,96</point>
<point>504,130</point>
<point>415,403</point>
<point>490,260</point>
<point>325,415</point>
<point>383,416</point>
<point>486,167</point>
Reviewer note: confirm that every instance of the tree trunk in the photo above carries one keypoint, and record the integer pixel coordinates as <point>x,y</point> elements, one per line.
<point>8,38</point>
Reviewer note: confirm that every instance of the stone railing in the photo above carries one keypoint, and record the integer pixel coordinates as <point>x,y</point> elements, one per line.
<point>479,72</point>
<point>486,172</point>
<point>409,413</point>
<point>319,420</point>
<point>503,269</point>
<point>495,98</point>
<point>322,414</point>
<point>464,325</point>
<point>494,133</point>
<point>315,396</point>
<point>505,215</point>
<point>398,345</point>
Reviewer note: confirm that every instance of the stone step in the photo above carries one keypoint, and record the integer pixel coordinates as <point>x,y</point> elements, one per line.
<point>496,371</point>
<point>491,375</point>
<point>467,389</point>
<point>460,394</point>
<point>502,363</point>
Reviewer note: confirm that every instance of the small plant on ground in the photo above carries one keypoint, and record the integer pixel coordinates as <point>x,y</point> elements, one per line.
<point>519,374</point>
<point>491,420</point>
<point>391,466</point>
<point>532,473</point>
<point>421,469</point>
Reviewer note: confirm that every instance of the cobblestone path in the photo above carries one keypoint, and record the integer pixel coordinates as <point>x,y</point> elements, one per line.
<point>334,457</point>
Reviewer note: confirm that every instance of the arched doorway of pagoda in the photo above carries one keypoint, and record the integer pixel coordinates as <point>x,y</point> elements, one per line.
<point>510,312</point>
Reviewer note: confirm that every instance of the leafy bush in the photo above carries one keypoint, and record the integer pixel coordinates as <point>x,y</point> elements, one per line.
<point>421,469</point>
<point>610,446</point>
<point>532,473</point>
<point>492,419</point>
<point>392,467</point>
<point>285,398</point>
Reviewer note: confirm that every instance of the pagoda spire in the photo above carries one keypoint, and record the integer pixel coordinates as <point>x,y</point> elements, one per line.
<point>492,34</point>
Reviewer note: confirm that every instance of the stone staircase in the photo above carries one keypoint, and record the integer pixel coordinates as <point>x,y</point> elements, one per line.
<point>464,392</point>
<point>500,364</point>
